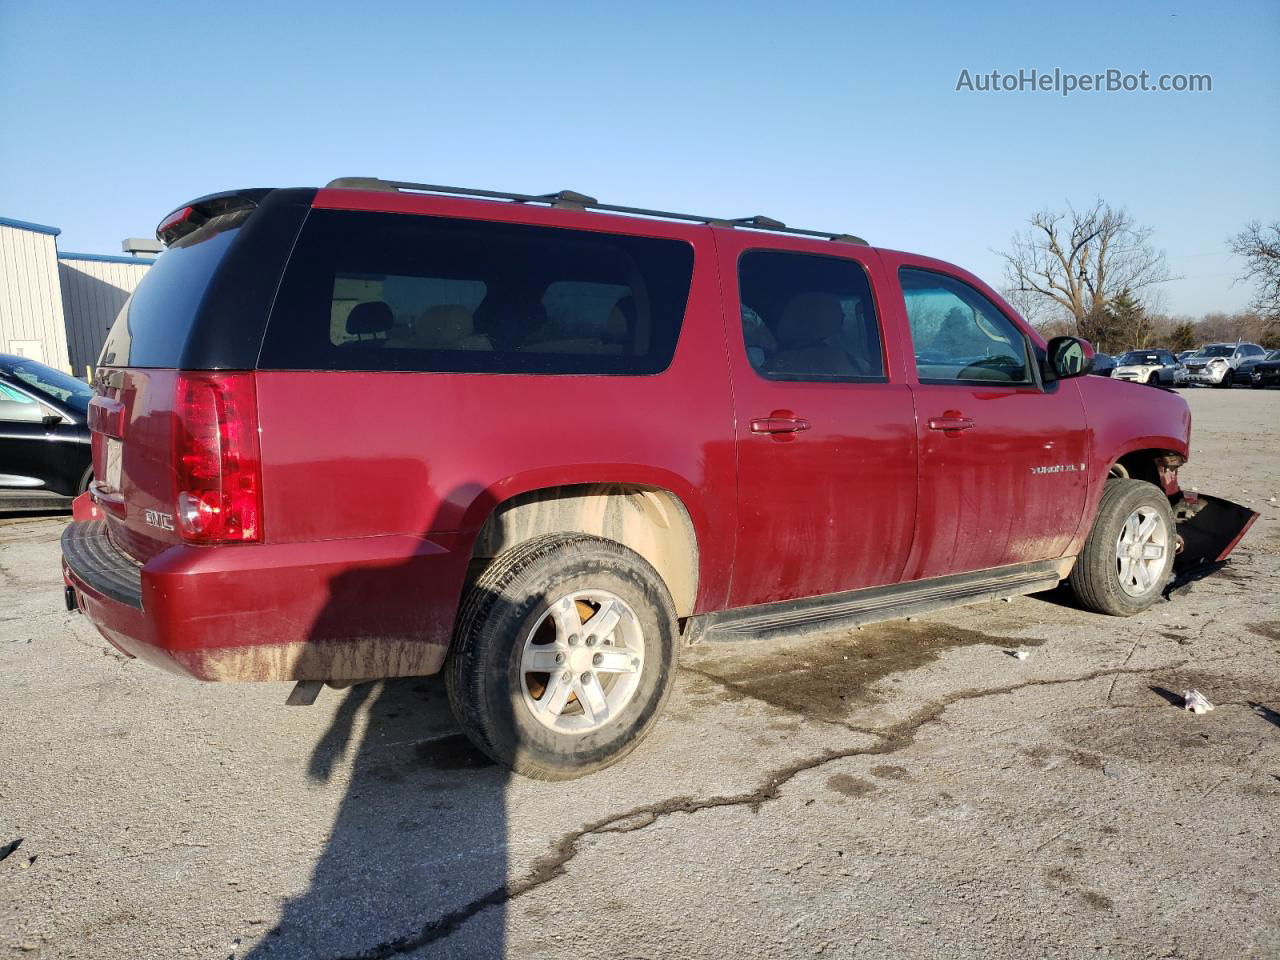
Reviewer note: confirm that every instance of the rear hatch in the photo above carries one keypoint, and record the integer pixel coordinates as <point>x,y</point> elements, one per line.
<point>173,418</point>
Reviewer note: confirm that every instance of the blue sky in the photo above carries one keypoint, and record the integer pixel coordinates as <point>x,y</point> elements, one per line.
<point>839,116</point>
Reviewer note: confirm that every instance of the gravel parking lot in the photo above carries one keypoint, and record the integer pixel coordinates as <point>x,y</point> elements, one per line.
<point>908,790</point>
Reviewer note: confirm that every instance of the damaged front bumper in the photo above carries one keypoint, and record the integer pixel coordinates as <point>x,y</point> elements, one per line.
<point>1208,529</point>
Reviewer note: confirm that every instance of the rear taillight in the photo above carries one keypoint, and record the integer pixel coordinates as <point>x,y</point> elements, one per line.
<point>217,466</point>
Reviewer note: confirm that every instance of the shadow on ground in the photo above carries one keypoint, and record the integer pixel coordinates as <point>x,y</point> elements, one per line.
<point>419,835</point>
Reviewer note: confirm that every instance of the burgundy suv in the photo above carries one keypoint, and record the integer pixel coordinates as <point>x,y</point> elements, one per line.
<point>384,429</point>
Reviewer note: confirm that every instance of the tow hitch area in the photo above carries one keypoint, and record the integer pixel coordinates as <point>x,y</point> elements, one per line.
<point>1208,530</point>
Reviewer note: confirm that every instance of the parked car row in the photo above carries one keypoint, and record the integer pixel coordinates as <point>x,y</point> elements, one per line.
<point>1216,365</point>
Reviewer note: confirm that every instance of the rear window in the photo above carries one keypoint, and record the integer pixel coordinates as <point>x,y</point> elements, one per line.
<point>152,326</point>
<point>368,291</point>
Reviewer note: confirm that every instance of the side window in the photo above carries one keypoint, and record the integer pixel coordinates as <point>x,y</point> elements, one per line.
<point>402,292</point>
<point>958,334</point>
<point>809,317</point>
<point>17,407</point>
<point>410,300</point>
<point>585,318</point>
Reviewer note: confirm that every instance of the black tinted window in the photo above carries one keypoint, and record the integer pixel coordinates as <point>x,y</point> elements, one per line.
<point>401,292</point>
<point>808,318</point>
<point>958,334</point>
<point>152,326</point>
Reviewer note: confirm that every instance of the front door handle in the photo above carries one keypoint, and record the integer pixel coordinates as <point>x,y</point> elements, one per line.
<point>779,425</point>
<point>951,421</point>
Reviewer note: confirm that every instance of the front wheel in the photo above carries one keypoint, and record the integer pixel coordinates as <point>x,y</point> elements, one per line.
<point>563,656</point>
<point>1128,556</point>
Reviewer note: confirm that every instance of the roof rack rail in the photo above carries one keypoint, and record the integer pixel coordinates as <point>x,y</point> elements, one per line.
<point>572,200</point>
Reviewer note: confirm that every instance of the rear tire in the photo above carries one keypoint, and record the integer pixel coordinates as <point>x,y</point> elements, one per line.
<point>538,600</point>
<point>1117,572</point>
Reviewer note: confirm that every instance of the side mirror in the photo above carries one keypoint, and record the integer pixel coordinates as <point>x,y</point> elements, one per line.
<point>51,419</point>
<point>1067,357</point>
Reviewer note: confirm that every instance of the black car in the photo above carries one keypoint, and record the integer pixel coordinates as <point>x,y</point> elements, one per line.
<point>45,457</point>
<point>1103,364</point>
<point>1244,372</point>
<point>1266,372</point>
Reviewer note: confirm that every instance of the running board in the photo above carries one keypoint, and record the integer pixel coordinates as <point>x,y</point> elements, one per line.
<point>794,618</point>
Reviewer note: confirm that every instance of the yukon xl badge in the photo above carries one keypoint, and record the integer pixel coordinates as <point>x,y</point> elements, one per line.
<point>1059,468</point>
<point>163,521</point>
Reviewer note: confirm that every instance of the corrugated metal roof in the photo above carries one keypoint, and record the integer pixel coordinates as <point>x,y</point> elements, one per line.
<point>28,225</point>
<point>107,258</point>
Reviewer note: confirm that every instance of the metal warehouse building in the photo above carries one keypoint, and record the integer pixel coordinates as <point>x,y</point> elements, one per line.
<point>57,307</point>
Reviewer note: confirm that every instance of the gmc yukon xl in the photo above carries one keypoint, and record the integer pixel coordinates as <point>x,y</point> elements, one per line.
<point>385,429</point>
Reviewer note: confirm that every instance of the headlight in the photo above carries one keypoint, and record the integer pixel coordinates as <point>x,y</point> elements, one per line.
<point>1217,361</point>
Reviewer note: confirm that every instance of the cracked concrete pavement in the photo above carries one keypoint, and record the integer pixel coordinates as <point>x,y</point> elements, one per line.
<point>905,790</point>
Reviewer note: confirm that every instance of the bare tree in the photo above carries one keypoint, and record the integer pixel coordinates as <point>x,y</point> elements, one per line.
<point>1034,308</point>
<point>1081,260</point>
<point>1259,245</point>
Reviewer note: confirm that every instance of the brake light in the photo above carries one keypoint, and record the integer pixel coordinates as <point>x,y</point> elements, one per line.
<point>217,465</point>
<point>171,227</point>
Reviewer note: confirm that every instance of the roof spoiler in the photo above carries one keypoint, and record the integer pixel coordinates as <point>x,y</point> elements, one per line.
<point>195,214</point>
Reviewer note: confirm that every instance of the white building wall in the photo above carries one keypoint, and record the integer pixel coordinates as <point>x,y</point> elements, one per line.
<point>31,314</point>
<point>93,291</point>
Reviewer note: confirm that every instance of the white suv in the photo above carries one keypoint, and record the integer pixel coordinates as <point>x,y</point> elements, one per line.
<point>1215,364</point>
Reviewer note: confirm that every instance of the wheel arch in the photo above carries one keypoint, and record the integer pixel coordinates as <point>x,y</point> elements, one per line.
<point>1156,464</point>
<point>650,518</point>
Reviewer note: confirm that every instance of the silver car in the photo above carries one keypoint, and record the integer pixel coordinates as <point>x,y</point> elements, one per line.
<point>1215,364</point>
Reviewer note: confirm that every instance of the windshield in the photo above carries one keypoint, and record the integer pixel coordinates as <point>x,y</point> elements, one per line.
<point>1272,355</point>
<point>1218,350</point>
<point>53,383</point>
<point>1140,357</point>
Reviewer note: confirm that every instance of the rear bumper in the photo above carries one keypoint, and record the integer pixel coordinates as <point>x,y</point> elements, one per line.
<point>328,610</point>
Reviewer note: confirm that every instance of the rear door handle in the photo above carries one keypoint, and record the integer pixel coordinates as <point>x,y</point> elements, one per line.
<point>779,425</point>
<point>951,422</point>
